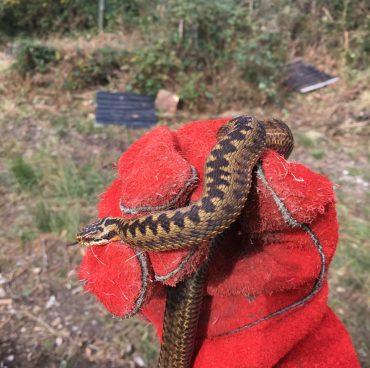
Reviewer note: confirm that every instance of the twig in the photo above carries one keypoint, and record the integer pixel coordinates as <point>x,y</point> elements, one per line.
<point>41,322</point>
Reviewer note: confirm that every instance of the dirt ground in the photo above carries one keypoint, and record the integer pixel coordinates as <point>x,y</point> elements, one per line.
<point>46,318</point>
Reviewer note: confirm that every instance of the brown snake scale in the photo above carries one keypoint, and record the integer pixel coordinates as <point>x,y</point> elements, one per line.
<point>227,182</point>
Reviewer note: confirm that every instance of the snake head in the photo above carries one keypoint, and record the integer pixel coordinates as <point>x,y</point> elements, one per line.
<point>100,232</point>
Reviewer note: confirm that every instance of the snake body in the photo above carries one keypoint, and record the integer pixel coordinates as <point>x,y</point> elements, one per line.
<point>183,306</point>
<point>227,182</point>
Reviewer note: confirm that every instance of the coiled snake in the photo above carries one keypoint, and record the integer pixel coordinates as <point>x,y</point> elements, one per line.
<point>228,177</point>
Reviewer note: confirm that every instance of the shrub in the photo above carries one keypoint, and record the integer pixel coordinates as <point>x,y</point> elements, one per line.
<point>152,68</point>
<point>192,90</point>
<point>192,45</point>
<point>261,59</point>
<point>39,16</point>
<point>33,57</point>
<point>202,40</point>
<point>96,68</point>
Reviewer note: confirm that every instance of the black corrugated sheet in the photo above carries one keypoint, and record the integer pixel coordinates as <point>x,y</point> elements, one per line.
<point>306,78</point>
<point>129,109</point>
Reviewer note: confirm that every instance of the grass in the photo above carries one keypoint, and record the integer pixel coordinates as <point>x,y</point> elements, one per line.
<point>64,124</point>
<point>50,219</point>
<point>312,145</point>
<point>360,173</point>
<point>305,141</point>
<point>149,346</point>
<point>318,154</point>
<point>350,277</point>
<point>58,191</point>
<point>25,175</point>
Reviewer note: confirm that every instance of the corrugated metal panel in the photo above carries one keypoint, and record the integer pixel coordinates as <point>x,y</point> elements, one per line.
<point>306,78</point>
<point>125,109</point>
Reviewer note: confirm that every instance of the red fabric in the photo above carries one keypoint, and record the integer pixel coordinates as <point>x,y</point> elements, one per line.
<point>257,271</point>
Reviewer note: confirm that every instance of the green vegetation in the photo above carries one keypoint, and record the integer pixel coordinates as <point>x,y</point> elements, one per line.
<point>152,68</point>
<point>350,280</point>
<point>38,16</point>
<point>192,43</point>
<point>96,68</point>
<point>188,46</point>
<point>149,346</point>
<point>318,154</point>
<point>55,177</point>
<point>56,220</point>
<point>34,57</point>
<point>305,141</point>
<point>64,124</point>
<point>25,175</point>
<point>58,189</point>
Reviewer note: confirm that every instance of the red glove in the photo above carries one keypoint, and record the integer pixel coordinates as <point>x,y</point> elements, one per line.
<point>272,267</point>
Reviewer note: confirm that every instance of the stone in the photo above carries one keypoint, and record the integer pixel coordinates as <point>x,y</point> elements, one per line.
<point>166,102</point>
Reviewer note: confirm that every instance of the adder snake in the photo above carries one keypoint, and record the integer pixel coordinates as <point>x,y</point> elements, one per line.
<point>227,182</point>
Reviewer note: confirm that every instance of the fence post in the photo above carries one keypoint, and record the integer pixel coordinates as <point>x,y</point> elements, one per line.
<point>101,15</point>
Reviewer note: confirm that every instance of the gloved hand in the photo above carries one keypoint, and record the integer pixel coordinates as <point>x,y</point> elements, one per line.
<point>266,298</point>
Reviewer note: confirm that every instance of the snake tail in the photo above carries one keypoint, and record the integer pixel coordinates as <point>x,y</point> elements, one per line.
<point>183,307</point>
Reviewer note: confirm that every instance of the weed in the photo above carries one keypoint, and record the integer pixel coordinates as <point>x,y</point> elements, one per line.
<point>360,172</point>
<point>260,59</point>
<point>355,171</point>
<point>359,228</point>
<point>350,282</point>
<point>149,346</point>
<point>33,57</point>
<point>65,180</point>
<point>65,187</point>
<point>51,219</point>
<point>38,16</point>
<point>27,235</point>
<point>47,345</point>
<point>96,68</point>
<point>151,68</point>
<point>25,175</point>
<point>192,90</point>
<point>61,122</point>
<point>27,291</point>
<point>64,124</point>
<point>56,178</point>
<point>305,141</point>
<point>318,154</point>
<point>5,265</point>
<point>59,189</point>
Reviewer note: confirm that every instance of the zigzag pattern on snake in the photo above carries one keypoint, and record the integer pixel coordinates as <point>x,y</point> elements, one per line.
<point>228,172</point>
